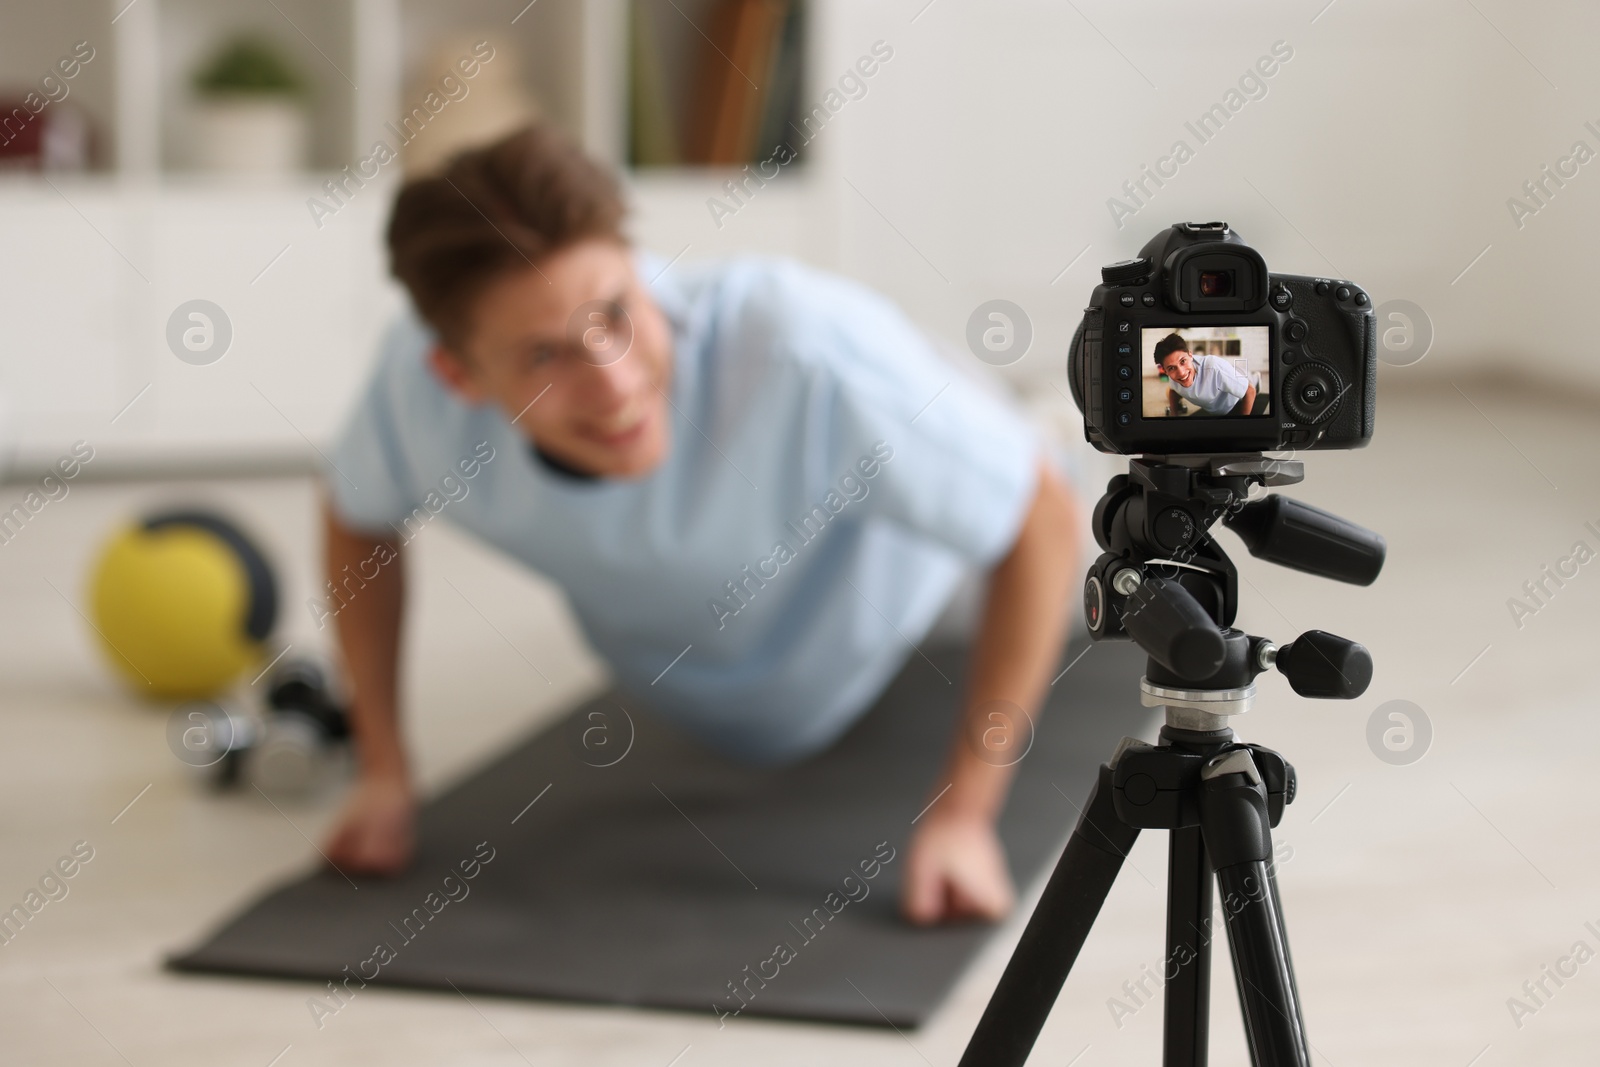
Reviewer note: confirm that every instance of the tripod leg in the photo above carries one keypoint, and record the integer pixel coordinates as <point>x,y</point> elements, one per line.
<point>1283,936</point>
<point>1187,970</point>
<point>1054,935</point>
<point>1233,816</point>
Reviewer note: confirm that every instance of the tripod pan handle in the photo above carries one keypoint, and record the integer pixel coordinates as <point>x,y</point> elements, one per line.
<point>1169,623</point>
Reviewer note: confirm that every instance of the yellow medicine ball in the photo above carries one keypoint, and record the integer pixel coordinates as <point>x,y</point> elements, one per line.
<point>182,604</point>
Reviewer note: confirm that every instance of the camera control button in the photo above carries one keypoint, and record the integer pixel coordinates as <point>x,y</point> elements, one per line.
<point>1361,299</point>
<point>1282,299</point>
<point>1125,395</point>
<point>1343,292</point>
<point>1148,300</point>
<point>1124,326</point>
<point>1312,392</point>
<point>1322,288</point>
<point>1124,372</point>
<point>1123,418</point>
<point>1124,349</point>
<point>1297,331</point>
<point>1126,300</point>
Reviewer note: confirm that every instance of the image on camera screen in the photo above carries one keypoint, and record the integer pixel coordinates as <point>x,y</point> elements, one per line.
<point>1206,371</point>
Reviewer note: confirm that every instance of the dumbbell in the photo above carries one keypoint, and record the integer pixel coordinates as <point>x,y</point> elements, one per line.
<point>302,728</point>
<point>283,749</point>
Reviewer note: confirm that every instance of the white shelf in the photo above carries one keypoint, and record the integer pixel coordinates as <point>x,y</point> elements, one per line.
<point>360,58</point>
<point>112,252</point>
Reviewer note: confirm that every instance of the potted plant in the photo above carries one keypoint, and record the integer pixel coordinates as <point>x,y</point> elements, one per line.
<point>249,117</point>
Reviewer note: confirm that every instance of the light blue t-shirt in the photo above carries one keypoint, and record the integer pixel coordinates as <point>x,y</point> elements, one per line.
<point>1217,387</point>
<point>828,482</point>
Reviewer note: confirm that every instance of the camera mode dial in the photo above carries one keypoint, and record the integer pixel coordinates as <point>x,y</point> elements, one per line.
<point>1125,272</point>
<point>1312,392</point>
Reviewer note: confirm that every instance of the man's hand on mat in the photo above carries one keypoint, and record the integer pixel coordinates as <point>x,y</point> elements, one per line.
<point>955,870</point>
<point>376,831</point>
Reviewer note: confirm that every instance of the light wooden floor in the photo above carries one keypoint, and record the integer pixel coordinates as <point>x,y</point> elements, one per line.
<point>1420,897</point>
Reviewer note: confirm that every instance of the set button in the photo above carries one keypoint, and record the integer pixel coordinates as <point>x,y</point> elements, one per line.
<point>1312,392</point>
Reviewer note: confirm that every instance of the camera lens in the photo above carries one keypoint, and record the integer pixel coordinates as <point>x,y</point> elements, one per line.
<point>1216,283</point>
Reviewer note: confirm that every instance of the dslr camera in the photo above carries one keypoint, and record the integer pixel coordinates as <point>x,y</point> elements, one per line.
<point>1193,347</point>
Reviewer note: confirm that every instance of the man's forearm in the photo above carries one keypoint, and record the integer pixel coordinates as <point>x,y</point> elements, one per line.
<point>369,634</point>
<point>1019,641</point>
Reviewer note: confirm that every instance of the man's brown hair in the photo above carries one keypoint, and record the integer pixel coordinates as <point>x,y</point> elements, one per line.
<point>1169,344</point>
<point>497,208</point>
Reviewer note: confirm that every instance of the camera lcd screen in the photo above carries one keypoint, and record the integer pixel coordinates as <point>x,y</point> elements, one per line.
<point>1206,371</point>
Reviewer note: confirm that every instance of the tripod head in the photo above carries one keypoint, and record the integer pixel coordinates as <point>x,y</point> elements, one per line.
<point>1163,581</point>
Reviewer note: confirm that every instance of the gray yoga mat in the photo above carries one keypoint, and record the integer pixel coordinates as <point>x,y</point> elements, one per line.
<point>672,876</point>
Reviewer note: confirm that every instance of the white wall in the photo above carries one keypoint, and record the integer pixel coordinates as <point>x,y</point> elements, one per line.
<point>1384,152</point>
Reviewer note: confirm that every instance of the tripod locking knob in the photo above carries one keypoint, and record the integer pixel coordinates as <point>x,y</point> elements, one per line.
<point>1320,664</point>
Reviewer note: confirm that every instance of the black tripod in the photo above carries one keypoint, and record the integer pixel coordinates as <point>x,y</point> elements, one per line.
<point>1164,582</point>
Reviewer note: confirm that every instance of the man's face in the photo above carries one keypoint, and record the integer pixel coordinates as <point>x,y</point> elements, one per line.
<point>577,356</point>
<point>1179,366</point>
